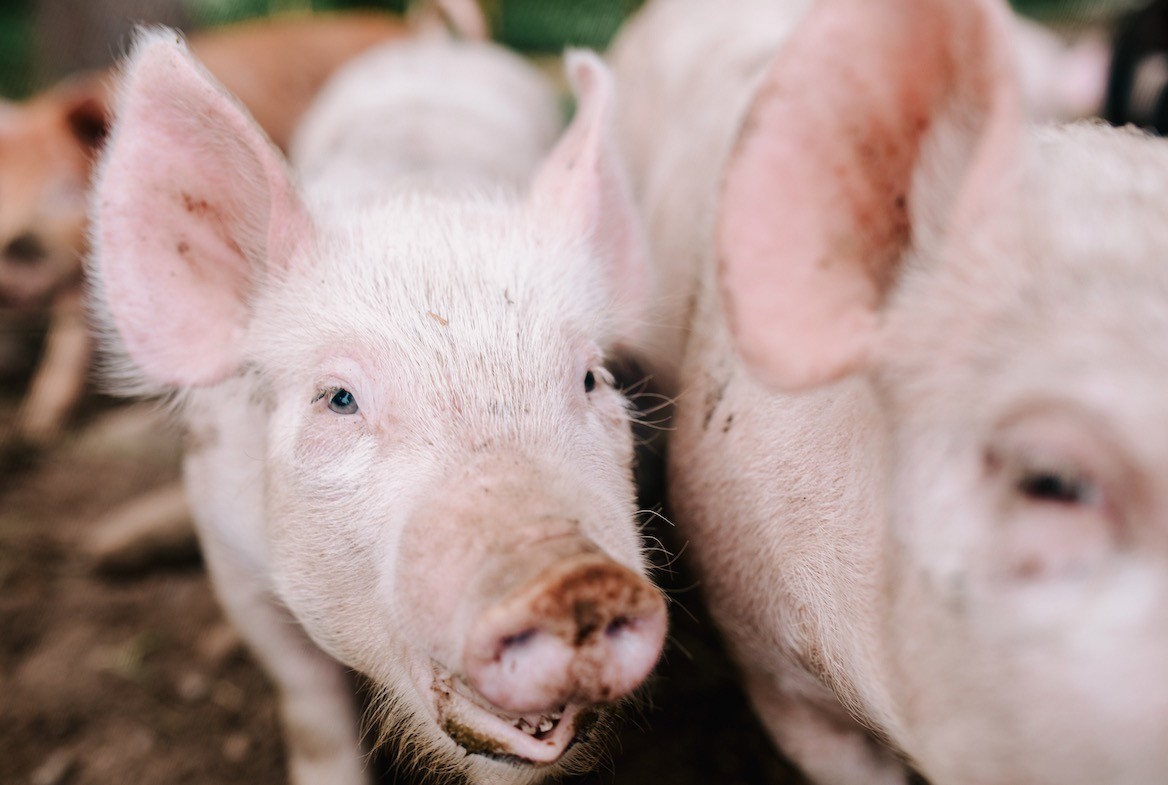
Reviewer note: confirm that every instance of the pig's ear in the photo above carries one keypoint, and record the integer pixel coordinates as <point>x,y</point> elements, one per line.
<point>878,123</point>
<point>583,183</point>
<point>193,206</point>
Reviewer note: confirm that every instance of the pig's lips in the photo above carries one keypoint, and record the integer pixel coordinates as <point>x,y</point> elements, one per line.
<point>478,727</point>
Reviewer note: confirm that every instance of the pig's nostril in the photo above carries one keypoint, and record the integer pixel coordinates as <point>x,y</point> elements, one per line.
<point>586,630</point>
<point>519,638</point>
<point>25,249</point>
<point>617,626</point>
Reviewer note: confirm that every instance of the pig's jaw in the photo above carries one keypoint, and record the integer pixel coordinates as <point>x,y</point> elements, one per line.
<point>537,739</point>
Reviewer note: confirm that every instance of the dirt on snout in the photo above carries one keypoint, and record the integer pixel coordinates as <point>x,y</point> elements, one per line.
<point>133,676</point>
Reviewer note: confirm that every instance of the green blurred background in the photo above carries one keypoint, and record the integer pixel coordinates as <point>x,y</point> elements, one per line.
<point>28,63</point>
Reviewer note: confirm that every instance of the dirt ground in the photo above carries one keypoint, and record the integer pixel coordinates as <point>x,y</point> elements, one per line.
<point>136,678</point>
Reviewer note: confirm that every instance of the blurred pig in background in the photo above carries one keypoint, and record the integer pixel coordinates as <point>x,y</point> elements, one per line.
<point>918,451</point>
<point>1060,79</point>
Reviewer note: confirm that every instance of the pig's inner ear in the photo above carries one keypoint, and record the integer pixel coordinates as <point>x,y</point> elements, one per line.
<point>583,184</point>
<point>829,183</point>
<point>193,206</point>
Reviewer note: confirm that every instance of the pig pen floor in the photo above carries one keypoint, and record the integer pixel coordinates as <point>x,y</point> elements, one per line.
<point>107,680</point>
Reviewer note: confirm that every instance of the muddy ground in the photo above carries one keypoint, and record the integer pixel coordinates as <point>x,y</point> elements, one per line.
<point>108,679</point>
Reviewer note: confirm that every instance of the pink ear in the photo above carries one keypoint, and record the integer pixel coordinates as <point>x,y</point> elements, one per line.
<point>583,183</point>
<point>191,204</point>
<point>824,188</point>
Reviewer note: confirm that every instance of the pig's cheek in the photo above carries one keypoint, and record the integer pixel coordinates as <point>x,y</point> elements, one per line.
<point>608,438</point>
<point>612,416</point>
<point>325,537</point>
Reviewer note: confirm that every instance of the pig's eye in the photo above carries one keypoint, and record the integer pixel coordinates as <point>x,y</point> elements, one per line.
<point>343,402</point>
<point>597,376</point>
<point>1058,487</point>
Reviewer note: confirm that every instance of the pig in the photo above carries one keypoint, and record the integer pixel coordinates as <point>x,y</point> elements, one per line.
<point>915,452</point>
<point>405,455</point>
<point>674,48</point>
<point>1060,80</point>
<point>47,148</point>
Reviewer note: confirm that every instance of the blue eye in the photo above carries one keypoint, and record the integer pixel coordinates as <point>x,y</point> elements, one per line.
<point>343,402</point>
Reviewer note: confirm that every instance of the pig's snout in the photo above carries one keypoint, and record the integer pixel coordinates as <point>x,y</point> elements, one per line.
<point>586,630</point>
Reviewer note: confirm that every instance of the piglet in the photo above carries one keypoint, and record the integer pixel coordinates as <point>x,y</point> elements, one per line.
<point>918,449</point>
<point>404,453</point>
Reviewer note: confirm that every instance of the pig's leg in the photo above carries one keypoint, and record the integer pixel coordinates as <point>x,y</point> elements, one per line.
<point>138,533</point>
<point>317,709</point>
<point>830,749</point>
<point>59,379</point>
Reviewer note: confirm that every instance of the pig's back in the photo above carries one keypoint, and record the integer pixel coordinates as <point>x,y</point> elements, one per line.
<point>276,66</point>
<point>685,70</point>
<point>429,109</point>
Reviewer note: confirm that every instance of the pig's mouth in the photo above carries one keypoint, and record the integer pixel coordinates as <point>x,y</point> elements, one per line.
<point>538,739</point>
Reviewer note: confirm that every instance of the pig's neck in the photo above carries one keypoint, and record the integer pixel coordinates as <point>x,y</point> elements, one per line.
<point>806,478</point>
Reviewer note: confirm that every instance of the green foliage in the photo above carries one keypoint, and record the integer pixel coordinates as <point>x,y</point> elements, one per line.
<point>1075,11</point>
<point>15,47</point>
<point>550,25</point>
<point>529,25</point>
<point>209,13</point>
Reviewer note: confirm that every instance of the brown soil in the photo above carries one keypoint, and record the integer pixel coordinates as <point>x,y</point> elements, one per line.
<point>138,679</point>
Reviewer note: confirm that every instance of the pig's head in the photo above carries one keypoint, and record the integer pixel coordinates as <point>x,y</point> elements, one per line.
<point>46,146</point>
<point>448,493</point>
<point>1004,292</point>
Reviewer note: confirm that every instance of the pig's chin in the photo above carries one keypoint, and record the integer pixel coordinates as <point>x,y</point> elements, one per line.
<point>535,740</point>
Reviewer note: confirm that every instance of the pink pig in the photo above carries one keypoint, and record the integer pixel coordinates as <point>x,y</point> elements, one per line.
<point>405,455</point>
<point>918,450</point>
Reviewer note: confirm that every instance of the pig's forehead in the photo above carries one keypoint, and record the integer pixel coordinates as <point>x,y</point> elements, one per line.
<point>1084,230</point>
<point>1091,191</point>
<point>1063,292</point>
<point>427,240</point>
<point>485,280</point>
